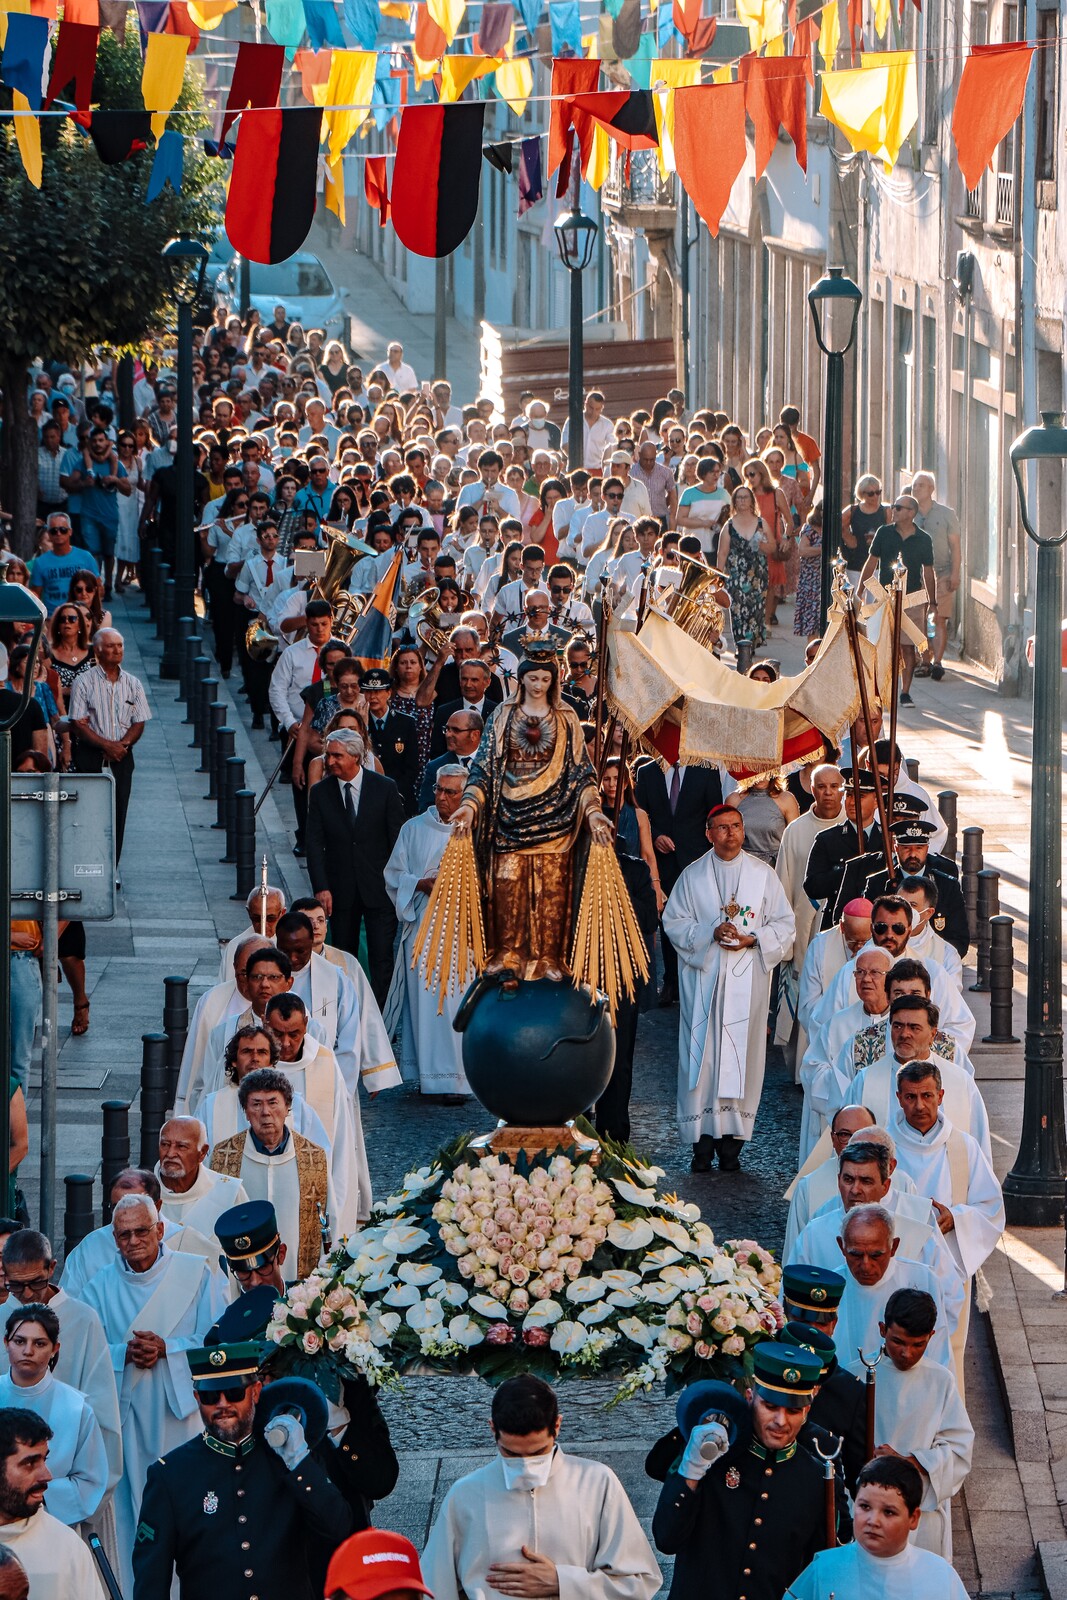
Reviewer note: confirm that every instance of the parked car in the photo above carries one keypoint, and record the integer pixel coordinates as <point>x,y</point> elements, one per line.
<point>302,285</point>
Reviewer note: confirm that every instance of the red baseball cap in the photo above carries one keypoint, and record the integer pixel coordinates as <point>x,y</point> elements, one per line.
<point>373,1563</point>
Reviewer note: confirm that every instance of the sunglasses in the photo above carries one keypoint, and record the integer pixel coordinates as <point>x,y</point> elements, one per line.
<point>898,507</point>
<point>216,1396</point>
<point>559,588</point>
<point>240,505</point>
<point>870,491</point>
<point>890,927</point>
<point>69,616</point>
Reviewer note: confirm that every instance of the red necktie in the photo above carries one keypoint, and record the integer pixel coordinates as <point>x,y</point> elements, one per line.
<point>270,570</point>
<point>317,672</point>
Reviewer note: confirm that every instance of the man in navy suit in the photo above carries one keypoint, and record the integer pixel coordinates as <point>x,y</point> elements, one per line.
<point>354,817</point>
<point>463,734</point>
<point>677,802</point>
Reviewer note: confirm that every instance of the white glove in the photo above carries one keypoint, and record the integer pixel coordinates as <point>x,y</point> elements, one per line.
<point>285,1435</point>
<point>707,1442</point>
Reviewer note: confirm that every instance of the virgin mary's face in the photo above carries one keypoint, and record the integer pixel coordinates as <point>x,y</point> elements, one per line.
<point>538,682</point>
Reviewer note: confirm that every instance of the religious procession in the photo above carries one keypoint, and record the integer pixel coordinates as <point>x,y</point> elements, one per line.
<point>547,1121</point>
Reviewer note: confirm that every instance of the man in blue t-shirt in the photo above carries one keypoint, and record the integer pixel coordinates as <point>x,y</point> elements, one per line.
<point>53,569</point>
<point>98,481</point>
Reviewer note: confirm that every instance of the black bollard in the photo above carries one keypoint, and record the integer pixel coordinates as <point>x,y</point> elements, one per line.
<point>201,672</point>
<point>224,742</point>
<point>162,576</point>
<point>912,765</point>
<point>114,1147</point>
<point>176,1028</point>
<point>987,908</point>
<point>78,1216</point>
<point>209,688</point>
<point>153,1094</point>
<point>184,629</point>
<point>216,718</point>
<point>152,580</point>
<point>744,649</point>
<point>971,866</point>
<point>168,666</point>
<point>235,781</point>
<point>244,816</point>
<point>946,804</point>
<point>194,647</point>
<point>1001,982</point>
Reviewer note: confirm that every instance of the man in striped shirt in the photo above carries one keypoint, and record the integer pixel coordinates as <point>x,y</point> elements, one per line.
<point>109,709</point>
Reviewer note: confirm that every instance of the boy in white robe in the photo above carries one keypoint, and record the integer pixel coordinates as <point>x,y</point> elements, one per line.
<point>919,1415</point>
<point>731,924</point>
<point>536,1514</point>
<point>432,1050</point>
<point>881,1564</point>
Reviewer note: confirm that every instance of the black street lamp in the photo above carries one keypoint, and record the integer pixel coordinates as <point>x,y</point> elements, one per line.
<point>1033,1189</point>
<point>575,235</point>
<point>838,298</point>
<point>17,604</point>
<point>186,260</point>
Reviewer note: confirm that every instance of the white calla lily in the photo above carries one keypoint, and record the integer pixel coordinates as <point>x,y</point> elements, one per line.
<point>542,1314</point>
<point>661,1294</point>
<point>426,1315</point>
<point>568,1338</point>
<point>691,1278</point>
<point>634,1235</point>
<point>403,1239</point>
<point>632,1194</point>
<point>619,1278</point>
<point>584,1290</point>
<point>465,1332</point>
<point>672,1231</point>
<point>453,1294</point>
<point>381,1327</point>
<point>623,1299</point>
<point>684,1211</point>
<point>375,1282</point>
<point>656,1260</point>
<point>589,1316</point>
<point>486,1306</point>
<point>647,1174</point>
<point>403,1294</point>
<point>419,1272</point>
<point>638,1332</point>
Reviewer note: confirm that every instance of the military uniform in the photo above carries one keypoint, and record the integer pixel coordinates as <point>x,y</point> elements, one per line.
<point>840,1405</point>
<point>233,1520</point>
<point>394,739</point>
<point>950,918</point>
<point>834,855</point>
<point>757,1517</point>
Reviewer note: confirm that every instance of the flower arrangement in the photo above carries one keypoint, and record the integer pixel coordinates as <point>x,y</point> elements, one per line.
<point>559,1263</point>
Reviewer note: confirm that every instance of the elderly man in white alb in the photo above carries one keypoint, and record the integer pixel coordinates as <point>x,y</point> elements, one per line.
<point>191,1195</point>
<point>869,1244</point>
<point>730,922</point>
<point>154,1306</point>
<point>823,1092</point>
<point>826,811</point>
<point>432,1049</point>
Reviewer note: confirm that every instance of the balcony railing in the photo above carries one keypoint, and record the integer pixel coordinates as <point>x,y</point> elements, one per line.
<point>974,202</point>
<point>1006,198</point>
<point>643,187</point>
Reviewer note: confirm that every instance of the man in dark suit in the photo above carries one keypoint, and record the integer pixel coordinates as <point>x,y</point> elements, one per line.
<point>354,817</point>
<point>677,802</point>
<point>394,737</point>
<point>443,676</point>
<point>475,678</point>
<point>463,733</point>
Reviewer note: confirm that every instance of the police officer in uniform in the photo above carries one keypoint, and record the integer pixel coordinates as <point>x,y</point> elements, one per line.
<point>857,872</point>
<point>394,737</point>
<point>358,1453</point>
<point>237,1517</point>
<point>834,849</point>
<point>751,1512</point>
<point>914,859</point>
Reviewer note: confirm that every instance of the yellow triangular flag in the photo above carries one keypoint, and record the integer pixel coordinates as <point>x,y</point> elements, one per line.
<point>333,189</point>
<point>881,17</point>
<point>5,7</point>
<point>671,75</point>
<point>395,8</point>
<point>775,46</point>
<point>28,134</point>
<point>448,14</point>
<point>350,84</point>
<point>207,14</point>
<point>596,168</point>
<point>591,46</point>
<point>723,74</point>
<point>457,72</point>
<point>762,18</point>
<point>514,84</point>
<point>161,77</point>
<point>875,105</point>
<point>830,33</point>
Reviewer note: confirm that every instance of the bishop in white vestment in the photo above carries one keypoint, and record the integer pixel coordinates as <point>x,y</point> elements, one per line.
<point>731,924</point>
<point>432,1050</point>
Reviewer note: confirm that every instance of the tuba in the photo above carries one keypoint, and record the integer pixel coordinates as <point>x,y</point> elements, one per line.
<point>259,641</point>
<point>343,552</point>
<point>694,605</point>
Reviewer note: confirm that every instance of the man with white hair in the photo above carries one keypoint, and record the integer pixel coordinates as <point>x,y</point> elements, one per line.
<point>354,820</point>
<point>823,1093</point>
<point>816,1183</point>
<point>109,708</point>
<point>154,1305</point>
<point>276,907</point>
<point>431,1048</point>
<point>869,1245</point>
<point>191,1194</point>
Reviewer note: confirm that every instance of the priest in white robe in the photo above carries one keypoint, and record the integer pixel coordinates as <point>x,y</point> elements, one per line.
<point>826,811</point>
<point>956,1016</point>
<point>154,1306</point>
<point>220,1006</point>
<point>191,1195</point>
<point>55,1559</point>
<point>827,954</point>
<point>823,1094</point>
<point>258,923</point>
<point>432,1050</point>
<point>328,993</point>
<point>912,1027</point>
<point>731,924</point>
<point>874,1270</point>
<point>919,1414</point>
<point>316,1077</point>
<point>77,1458</point>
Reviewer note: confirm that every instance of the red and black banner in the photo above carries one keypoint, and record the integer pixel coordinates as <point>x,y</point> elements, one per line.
<point>629,118</point>
<point>436,176</point>
<point>271,203</point>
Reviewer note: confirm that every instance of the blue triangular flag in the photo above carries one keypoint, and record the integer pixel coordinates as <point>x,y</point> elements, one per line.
<point>566,28</point>
<point>23,59</point>
<point>167,167</point>
<point>666,32</point>
<point>323,25</point>
<point>362,17</point>
<point>530,12</point>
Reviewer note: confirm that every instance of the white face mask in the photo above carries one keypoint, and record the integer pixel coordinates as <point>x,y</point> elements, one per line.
<point>527,1472</point>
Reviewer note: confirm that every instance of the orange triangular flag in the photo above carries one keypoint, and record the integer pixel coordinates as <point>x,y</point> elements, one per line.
<point>776,95</point>
<point>709,145</point>
<point>989,99</point>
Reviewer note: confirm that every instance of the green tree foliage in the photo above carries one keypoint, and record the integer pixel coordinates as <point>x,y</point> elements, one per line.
<point>80,257</point>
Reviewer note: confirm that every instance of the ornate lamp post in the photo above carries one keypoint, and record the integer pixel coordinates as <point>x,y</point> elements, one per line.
<point>575,235</point>
<point>185,258</point>
<point>1033,1189</point>
<point>833,291</point>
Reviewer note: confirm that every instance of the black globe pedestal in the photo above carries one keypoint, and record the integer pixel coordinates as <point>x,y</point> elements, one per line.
<point>537,1054</point>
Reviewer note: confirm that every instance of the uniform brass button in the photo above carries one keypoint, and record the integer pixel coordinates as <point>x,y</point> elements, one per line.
<point>759,1522</point>
<point>762,1496</point>
<point>752,1547</point>
<point>746,1572</point>
<point>766,1471</point>
<point>240,1494</point>
<point>245,1545</point>
<point>248,1572</point>
<point>242,1519</point>
<point>237,1468</point>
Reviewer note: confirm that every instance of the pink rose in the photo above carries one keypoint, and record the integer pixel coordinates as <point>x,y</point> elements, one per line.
<point>585,1249</point>
<point>535,1240</point>
<point>312,1343</point>
<point>519,1274</point>
<point>500,1333</point>
<point>542,1207</point>
<point>466,1266</point>
<point>519,1302</point>
<point>694,1322</point>
<point>499,1290</point>
<point>537,1338</point>
<point>708,1302</point>
<point>734,1345</point>
<point>555,1282</point>
<point>703,1350</point>
<point>572,1266</point>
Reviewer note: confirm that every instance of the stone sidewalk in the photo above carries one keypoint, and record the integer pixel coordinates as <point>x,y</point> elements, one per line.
<point>176,909</point>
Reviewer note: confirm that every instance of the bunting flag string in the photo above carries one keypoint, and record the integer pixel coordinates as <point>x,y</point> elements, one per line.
<point>988,101</point>
<point>74,63</point>
<point>271,202</point>
<point>709,122</point>
<point>436,176</point>
<point>776,96</point>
